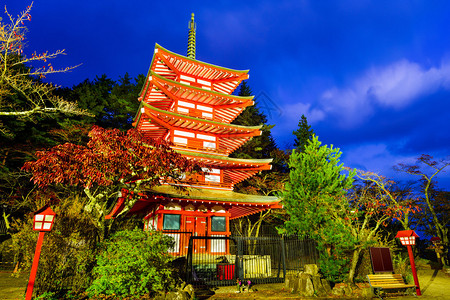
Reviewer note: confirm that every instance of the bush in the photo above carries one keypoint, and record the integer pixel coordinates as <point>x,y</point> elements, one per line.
<point>133,263</point>
<point>334,267</point>
<point>67,255</point>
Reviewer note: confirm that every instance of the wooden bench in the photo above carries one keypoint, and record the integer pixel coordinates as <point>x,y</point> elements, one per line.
<point>388,282</point>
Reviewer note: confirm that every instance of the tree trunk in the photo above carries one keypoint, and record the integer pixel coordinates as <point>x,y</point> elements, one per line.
<point>354,264</point>
<point>440,230</point>
<point>5,217</point>
<point>106,228</point>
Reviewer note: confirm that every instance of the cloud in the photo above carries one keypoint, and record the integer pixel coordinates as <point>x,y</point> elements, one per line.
<point>378,158</point>
<point>375,158</point>
<point>395,86</point>
<point>293,112</point>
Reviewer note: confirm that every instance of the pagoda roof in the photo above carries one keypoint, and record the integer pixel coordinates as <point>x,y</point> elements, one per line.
<point>241,204</point>
<point>171,65</point>
<point>228,160</point>
<point>235,170</point>
<point>230,136</point>
<point>162,92</point>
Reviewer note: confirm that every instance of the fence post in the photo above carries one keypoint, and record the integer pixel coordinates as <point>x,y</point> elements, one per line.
<point>239,268</point>
<point>189,265</point>
<point>283,256</point>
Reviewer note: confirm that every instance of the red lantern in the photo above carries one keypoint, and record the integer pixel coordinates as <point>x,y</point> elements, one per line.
<point>408,239</point>
<point>42,221</point>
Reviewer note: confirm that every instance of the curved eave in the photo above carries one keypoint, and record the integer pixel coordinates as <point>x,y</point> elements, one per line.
<point>189,88</point>
<point>239,205</point>
<point>162,93</point>
<point>229,197</point>
<point>235,169</point>
<point>230,160</point>
<point>197,124</point>
<point>171,65</point>
<point>229,136</point>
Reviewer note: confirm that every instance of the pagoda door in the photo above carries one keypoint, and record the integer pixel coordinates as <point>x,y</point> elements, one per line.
<point>189,227</point>
<point>197,225</point>
<point>200,230</point>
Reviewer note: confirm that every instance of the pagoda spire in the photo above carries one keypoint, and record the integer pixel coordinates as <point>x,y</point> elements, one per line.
<point>191,38</point>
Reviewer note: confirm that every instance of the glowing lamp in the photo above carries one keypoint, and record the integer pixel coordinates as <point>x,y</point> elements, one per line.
<point>44,219</point>
<point>407,237</point>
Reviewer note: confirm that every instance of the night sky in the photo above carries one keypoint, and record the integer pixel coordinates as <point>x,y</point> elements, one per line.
<point>372,77</point>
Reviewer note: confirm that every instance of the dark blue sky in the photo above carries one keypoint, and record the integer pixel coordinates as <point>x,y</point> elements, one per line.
<point>372,77</point>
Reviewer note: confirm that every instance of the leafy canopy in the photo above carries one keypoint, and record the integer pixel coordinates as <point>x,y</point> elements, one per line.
<point>111,157</point>
<point>111,162</point>
<point>315,200</point>
<point>133,263</point>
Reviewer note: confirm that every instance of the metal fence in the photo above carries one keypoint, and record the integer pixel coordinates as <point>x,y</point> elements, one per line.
<point>258,259</point>
<point>7,258</point>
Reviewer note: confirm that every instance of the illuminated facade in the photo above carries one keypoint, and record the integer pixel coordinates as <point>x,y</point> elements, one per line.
<point>190,104</point>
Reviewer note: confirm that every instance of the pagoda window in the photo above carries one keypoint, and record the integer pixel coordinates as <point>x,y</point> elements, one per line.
<point>212,175</point>
<point>179,140</point>
<point>183,133</point>
<point>208,140</point>
<point>171,222</point>
<point>218,224</point>
<point>188,80</point>
<point>186,104</point>
<point>205,84</point>
<point>204,108</point>
<point>195,110</point>
<point>212,170</point>
<point>212,178</point>
<point>209,145</point>
<point>183,110</point>
<point>206,137</point>
<point>207,115</point>
<point>206,112</point>
<point>190,139</point>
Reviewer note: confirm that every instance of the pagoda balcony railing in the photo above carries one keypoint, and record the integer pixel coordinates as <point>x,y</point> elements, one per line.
<point>198,114</point>
<point>205,184</point>
<point>198,147</point>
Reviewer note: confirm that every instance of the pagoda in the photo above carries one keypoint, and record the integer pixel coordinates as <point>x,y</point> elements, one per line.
<point>190,103</point>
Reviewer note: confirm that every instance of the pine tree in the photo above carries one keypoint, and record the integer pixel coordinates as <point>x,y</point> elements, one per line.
<point>260,146</point>
<point>303,134</point>
<point>315,200</point>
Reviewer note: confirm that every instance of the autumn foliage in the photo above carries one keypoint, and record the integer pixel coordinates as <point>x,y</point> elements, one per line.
<point>111,157</point>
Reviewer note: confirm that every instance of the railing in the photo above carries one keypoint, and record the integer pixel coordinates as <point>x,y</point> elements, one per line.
<point>212,185</point>
<point>258,259</point>
<point>199,147</point>
<point>198,114</point>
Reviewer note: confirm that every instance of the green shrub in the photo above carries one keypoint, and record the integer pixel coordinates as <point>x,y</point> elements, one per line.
<point>133,263</point>
<point>334,267</point>
<point>68,251</point>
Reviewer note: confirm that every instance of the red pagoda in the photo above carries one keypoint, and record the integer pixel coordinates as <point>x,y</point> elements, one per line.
<point>190,103</point>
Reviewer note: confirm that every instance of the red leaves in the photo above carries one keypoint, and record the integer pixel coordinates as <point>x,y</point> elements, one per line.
<point>111,157</point>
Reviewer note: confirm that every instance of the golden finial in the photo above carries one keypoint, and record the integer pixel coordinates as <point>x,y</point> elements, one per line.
<point>191,38</point>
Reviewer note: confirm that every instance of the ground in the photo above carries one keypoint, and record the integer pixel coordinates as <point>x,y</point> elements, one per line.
<point>435,284</point>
